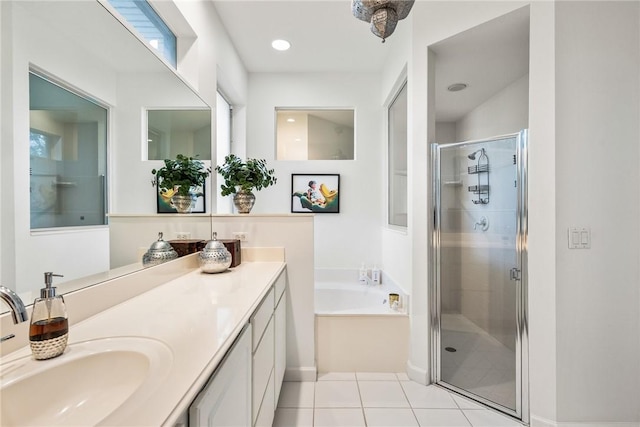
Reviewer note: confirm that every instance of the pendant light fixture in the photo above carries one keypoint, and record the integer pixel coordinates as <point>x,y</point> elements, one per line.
<point>382,14</point>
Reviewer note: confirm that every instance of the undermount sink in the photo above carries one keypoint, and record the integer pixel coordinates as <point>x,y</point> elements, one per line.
<point>93,383</point>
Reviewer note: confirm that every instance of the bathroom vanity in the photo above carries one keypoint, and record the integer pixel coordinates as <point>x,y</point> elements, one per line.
<point>198,349</point>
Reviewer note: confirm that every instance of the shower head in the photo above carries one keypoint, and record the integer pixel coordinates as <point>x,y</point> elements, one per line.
<point>472,156</point>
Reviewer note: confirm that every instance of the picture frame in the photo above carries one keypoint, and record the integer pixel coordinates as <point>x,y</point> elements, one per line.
<point>163,204</point>
<point>315,193</point>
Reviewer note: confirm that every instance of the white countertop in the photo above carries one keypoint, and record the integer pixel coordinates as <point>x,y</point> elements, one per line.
<point>197,316</point>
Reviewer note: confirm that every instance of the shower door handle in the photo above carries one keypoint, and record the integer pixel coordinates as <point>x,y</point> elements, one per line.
<point>514,274</point>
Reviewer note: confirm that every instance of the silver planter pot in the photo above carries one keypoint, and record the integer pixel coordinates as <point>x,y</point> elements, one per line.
<point>183,204</point>
<point>244,201</point>
<point>214,258</point>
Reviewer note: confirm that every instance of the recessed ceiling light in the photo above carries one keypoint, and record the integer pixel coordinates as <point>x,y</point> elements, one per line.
<point>456,87</point>
<point>291,120</point>
<point>280,45</point>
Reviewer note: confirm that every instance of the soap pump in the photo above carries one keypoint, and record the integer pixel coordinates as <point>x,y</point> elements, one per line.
<point>49,329</point>
<point>363,274</point>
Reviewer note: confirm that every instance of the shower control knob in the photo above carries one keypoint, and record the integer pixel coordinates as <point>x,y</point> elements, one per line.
<point>483,223</point>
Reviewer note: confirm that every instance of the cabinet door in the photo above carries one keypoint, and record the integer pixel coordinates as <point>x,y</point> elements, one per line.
<point>267,410</point>
<point>281,343</point>
<point>262,368</point>
<point>226,399</point>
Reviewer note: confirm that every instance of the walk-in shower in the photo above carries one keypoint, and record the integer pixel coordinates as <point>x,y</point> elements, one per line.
<point>478,289</point>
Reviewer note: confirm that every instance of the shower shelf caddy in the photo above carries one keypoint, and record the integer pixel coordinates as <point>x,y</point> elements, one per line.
<point>481,169</point>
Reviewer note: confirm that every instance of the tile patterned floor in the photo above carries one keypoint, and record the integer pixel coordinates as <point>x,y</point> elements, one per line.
<point>378,400</point>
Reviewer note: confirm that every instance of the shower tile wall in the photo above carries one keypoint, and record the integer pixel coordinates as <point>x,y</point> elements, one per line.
<point>476,264</point>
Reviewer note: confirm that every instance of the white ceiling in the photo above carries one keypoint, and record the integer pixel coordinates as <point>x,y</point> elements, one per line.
<point>326,37</point>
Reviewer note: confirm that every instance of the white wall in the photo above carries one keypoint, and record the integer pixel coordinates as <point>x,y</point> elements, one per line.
<point>505,112</point>
<point>6,243</point>
<point>597,149</point>
<point>541,221</point>
<point>355,230</point>
<point>569,359</point>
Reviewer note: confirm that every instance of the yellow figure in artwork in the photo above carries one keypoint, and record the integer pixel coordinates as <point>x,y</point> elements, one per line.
<point>328,195</point>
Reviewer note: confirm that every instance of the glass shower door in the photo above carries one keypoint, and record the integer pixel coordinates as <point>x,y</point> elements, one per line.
<point>479,229</point>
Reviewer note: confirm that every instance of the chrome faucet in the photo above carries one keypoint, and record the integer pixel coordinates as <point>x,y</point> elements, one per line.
<point>18,311</point>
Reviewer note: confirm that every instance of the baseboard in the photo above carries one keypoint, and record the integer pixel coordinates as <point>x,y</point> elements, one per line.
<point>537,421</point>
<point>301,374</point>
<point>417,374</point>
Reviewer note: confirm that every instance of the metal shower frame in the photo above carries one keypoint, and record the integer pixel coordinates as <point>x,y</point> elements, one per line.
<point>522,339</point>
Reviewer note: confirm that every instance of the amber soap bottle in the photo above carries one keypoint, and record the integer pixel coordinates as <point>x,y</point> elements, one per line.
<point>49,329</point>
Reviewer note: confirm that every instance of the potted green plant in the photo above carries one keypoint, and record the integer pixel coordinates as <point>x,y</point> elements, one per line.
<point>240,178</point>
<point>180,181</point>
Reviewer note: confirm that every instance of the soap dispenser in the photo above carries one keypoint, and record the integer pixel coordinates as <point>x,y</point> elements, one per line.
<point>363,274</point>
<point>49,329</point>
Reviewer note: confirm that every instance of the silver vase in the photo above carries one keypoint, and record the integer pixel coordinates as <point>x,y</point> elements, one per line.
<point>244,200</point>
<point>214,258</point>
<point>183,204</point>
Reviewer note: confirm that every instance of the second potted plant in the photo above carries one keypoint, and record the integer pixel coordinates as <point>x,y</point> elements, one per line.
<point>240,178</point>
<point>180,181</point>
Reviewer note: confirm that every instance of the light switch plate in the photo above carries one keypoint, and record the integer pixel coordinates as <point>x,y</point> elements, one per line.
<point>579,237</point>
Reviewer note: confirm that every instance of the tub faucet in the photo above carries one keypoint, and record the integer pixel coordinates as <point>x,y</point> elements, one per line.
<point>18,311</point>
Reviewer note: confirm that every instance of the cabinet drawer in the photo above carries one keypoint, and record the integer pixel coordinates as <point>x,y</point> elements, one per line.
<point>262,367</point>
<point>280,286</point>
<point>261,317</point>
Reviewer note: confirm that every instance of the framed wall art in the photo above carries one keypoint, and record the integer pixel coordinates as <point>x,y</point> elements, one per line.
<point>165,205</point>
<point>315,193</point>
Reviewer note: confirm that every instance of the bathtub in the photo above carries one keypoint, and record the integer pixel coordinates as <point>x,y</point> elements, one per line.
<point>335,298</point>
<point>356,330</point>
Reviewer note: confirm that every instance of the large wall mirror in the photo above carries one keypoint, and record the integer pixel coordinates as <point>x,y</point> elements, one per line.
<point>83,46</point>
<point>314,134</point>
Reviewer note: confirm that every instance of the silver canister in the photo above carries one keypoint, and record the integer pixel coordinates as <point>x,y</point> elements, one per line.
<point>159,252</point>
<point>214,258</point>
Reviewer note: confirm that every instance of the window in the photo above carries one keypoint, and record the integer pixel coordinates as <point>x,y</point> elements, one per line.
<point>224,128</point>
<point>397,118</point>
<point>68,157</point>
<point>321,134</point>
<point>151,27</point>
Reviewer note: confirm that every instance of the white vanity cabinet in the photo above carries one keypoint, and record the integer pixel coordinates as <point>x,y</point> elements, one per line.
<point>244,389</point>
<point>269,353</point>
<point>280,316</point>
<point>226,399</point>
